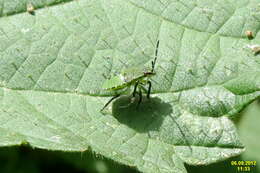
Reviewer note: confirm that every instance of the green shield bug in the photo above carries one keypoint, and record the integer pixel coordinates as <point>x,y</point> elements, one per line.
<point>137,77</point>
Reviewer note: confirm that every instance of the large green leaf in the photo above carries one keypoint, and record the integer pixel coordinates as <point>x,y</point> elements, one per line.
<point>53,64</point>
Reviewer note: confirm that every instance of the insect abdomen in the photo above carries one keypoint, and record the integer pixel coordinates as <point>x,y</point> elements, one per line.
<point>113,83</point>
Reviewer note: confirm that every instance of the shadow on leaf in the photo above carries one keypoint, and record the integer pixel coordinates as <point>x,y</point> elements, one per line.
<point>148,116</point>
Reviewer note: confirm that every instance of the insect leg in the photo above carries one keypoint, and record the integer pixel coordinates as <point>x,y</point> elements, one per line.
<point>149,88</point>
<point>143,88</point>
<point>136,84</point>
<point>140,97</point>
<point>110,101</point>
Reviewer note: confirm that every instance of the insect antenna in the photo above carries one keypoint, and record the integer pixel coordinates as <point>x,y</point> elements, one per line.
<point>155,58</point>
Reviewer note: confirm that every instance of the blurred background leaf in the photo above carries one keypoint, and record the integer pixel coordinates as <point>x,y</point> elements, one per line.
<point>24,159</point>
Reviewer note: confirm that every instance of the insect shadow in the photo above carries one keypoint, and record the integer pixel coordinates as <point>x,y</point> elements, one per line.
<point>148,116</point>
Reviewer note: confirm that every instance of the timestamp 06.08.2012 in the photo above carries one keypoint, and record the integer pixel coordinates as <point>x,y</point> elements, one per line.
<point>243,166</point>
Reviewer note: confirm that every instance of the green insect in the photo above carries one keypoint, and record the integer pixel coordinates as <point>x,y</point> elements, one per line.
<point>138,77</point>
